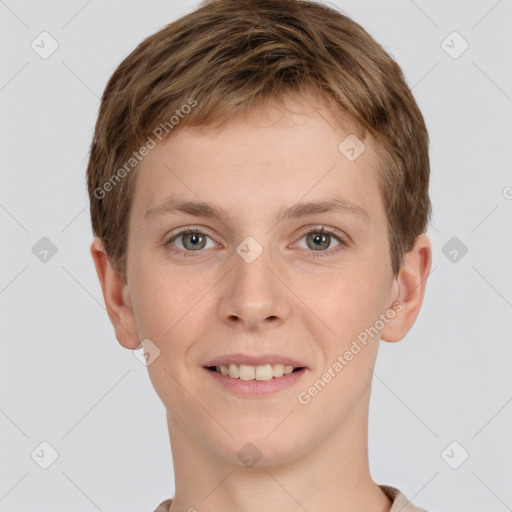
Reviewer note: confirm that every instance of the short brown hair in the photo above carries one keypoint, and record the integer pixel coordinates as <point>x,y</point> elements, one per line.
<point>231,56</point>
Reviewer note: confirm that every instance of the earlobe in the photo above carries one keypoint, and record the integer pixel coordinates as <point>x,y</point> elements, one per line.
<point>409,290</point>
<point>116,297</point>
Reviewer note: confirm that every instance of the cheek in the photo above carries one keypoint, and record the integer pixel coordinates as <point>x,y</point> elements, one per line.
<point>348,302</point>
<point>350,309</point>
<point>169,303</point>
<point>156,302</point>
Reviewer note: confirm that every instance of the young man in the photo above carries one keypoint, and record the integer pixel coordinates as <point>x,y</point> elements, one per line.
<point>259,193</point>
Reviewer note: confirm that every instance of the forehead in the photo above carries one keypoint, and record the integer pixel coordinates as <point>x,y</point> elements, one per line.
<point>280,154</point>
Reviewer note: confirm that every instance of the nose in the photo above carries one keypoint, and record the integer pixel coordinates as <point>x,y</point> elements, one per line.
<point>253,297</point>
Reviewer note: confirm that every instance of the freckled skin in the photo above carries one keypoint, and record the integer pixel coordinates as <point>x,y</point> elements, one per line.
<point>287,301</point>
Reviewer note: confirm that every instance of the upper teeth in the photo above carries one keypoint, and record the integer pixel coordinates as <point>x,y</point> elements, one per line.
<point>247,372</point>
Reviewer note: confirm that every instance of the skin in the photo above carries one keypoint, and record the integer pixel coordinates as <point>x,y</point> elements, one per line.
<point>287,301</point>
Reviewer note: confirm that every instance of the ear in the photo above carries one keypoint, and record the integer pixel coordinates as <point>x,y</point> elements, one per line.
<point>116,298</point>
<point>409,290</point>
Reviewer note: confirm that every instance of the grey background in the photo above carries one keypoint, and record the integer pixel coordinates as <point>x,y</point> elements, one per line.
<point>64,378</point>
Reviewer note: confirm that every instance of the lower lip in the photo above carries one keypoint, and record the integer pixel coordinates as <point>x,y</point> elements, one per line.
<point>257,387</point>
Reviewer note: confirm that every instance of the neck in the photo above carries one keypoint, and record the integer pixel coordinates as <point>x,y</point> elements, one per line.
<point>331,476</point>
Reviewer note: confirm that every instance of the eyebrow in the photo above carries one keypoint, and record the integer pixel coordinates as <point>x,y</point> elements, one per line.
<point>203,209</point>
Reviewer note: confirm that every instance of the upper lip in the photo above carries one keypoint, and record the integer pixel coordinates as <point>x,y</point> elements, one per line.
<point>259,360</point>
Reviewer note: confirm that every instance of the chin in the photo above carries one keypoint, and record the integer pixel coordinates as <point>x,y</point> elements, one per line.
<point>260,447</point>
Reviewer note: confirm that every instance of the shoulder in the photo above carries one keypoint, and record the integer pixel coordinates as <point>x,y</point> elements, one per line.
<point>400,501</point>
<point>164,506</point>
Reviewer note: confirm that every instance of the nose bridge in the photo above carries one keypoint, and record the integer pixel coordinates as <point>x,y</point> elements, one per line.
<point>253,294</point>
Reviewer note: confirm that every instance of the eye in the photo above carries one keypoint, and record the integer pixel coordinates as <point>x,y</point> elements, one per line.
<point>319,239</point>
<point>193,240</point>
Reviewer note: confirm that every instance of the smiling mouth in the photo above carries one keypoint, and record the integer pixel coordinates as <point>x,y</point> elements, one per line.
<point>248,372</point>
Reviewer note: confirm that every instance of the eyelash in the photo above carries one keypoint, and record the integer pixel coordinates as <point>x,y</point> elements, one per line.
<point>316,254</point>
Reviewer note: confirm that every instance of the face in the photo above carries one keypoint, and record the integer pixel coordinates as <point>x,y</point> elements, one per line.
<point>252,280</point>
